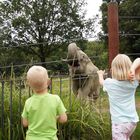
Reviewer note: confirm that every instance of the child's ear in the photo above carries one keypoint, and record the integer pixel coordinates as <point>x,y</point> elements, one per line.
<point>48,82</point>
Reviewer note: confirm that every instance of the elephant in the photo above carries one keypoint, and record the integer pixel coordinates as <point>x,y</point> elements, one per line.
<point>85,80</point>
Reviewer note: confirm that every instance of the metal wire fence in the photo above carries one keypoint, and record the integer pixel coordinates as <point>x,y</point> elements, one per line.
<point>15,92</point>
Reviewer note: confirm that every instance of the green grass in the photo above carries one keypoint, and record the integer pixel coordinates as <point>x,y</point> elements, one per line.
<point>137,131</point>
<point>87,120</point>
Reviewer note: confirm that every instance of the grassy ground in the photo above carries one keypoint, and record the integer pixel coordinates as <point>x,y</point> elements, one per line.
<point>137,132</point>
<point>87,122</point>
<point>103,107</point>
<point>136,135</point>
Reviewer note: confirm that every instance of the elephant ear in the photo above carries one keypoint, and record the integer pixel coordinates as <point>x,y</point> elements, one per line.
<point>82,57</point>
<point>71,62</point>
<point>78,49</point>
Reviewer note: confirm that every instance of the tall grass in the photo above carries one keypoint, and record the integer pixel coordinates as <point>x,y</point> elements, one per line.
<point>12,110</point>
<point>87,120</point>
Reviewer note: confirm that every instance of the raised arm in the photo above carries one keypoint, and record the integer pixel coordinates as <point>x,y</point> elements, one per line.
<point>135,69</point>
<point>101,78</point>
<point>136,64</point>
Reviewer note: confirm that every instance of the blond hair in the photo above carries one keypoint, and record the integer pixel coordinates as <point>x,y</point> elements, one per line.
<point>121,67</point>
<point>37,77</point>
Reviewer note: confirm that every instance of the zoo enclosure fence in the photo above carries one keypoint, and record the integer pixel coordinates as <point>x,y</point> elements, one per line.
<point>13,95</point>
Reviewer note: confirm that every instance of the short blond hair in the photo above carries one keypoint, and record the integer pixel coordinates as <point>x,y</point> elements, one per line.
<point>37,77</point>
<point>121,67</point>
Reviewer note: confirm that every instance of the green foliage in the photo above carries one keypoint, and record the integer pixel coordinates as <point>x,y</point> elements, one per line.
<point>97,53</point>
<point>127,25</point>
<point>85,119</point>
<point>42,28</point>
<point>13,105</point>
<point>130,26</point>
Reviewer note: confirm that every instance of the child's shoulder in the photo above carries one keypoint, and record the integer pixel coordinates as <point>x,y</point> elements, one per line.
<point>54,96</point>
<point>135,82</point>
<point>108,80</point>
<point>28,100</point>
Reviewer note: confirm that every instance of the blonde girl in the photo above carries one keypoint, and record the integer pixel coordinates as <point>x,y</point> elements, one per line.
<point>121,93</point>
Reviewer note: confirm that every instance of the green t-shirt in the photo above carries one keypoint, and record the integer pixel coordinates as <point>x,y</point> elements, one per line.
<point>41,110</point>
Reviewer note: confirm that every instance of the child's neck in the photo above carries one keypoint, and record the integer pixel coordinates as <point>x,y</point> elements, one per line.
<point>43,91</point>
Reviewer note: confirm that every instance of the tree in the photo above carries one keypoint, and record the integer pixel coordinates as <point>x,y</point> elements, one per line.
<point>97,53</point>
<point>41,27</point>
<point>129,25</point>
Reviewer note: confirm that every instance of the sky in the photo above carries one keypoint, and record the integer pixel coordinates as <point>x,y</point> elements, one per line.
<point>93,7</point>
<point>92,10</point>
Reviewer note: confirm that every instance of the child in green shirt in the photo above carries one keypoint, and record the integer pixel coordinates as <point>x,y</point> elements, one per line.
<point>42,111</point>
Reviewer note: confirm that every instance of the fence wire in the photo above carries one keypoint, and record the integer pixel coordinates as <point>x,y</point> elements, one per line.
<point>15,92</point>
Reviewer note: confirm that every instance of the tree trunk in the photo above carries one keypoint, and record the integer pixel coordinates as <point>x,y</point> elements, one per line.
<point>43,60</point>
<point>42,55</point>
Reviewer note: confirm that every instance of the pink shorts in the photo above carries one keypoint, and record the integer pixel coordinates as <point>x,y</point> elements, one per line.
<point>123,131</point>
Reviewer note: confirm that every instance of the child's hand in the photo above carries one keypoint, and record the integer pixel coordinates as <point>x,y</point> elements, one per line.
<point>25,122</point>
<point>131,75</point>
<point>101,78</point>
<point>100,72</point>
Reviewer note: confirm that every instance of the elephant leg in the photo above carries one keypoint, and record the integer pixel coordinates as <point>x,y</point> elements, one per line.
<point>95,94</point>
<point>83,92</point>
<point>75,86</point>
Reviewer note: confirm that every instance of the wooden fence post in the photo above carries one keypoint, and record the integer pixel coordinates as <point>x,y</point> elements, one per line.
<point>113,30</point>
